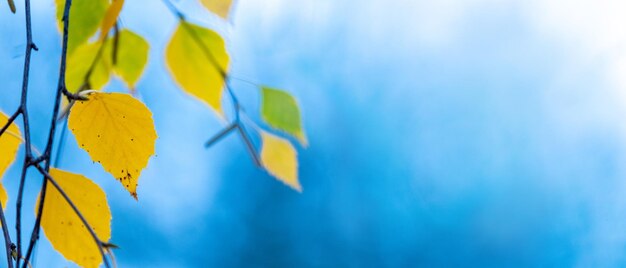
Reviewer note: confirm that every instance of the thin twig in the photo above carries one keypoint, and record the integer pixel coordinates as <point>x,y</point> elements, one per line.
<point>7,238</point>
<point>48,150</point>
<point>11,119</point>
<point>220,135</point>
<point>30,46</point>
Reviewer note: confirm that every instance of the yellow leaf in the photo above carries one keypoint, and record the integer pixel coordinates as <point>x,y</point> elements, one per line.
<point>4,197</point>
<point>117,131</point>
<point>78,64</point>
<point>63,227</point>
<point>110,18</point>
<point>199,70</point>
<point>219,7</point>
<point>132,56</point>
<point>280,159</point>
<point>85,18</point>
<point>9,144</point>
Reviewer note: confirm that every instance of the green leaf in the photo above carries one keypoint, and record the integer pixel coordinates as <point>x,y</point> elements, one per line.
<point>131,58</point>
<point>197,59</point>
<point>280,110</point>
<point>85,19</point>
<point>78,64</point>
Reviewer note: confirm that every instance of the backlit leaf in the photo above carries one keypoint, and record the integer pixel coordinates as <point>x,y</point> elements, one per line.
<point>118,132</point>
<point>78,64</point>
<point>85,19</point>
<point>280,159</point>
<point>219,7</point>
<point>9,144</point>
<point>63,227</point>
<point>198,69</point>
<point>280,110</point>
<point>110,17</point>
<point>4,197</point>
<point>131,58</point>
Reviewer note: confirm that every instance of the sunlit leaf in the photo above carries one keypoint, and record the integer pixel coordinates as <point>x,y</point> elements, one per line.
<point>131,58</point>
<point>85,19</point>
<point>219,7</point>
<point>9,144</point>
<point>110,18</point>
<point>198,69</point>
<point>78,64</point>
<point>64,229</point>
<point>280,110</point>
<point>4,197</point>
<point>118,132</point>
<point>280,159</point>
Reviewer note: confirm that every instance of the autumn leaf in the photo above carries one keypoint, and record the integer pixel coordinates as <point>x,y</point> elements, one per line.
<point>63,227</point>
<point>118,132</point>
<point>198,69</point>
<point>280,110</point>
<point>78,64</point>
<point>9,144</point>
<point>110,17</point>
<point>131,58</point>
<point>219,7</point>
<point>279,158</point>
<point>86,16</point>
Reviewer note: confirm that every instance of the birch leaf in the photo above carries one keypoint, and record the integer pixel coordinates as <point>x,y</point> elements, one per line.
<point>78,64</point>
<point>63,227</point>
<point>85,16</point>
<point>131,58</point>
<point>280,110</point>
<point>198,69</point>
<point>219,7</point>
<point>110,17</point>
<point>118,132</point>
<point>280,159</point>
<point>9,144</point>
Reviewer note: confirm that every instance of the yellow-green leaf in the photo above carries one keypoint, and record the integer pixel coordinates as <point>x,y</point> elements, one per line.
<point>280,110</point>
<point>280,159</point>
<point>219,7</point>
<point>85,19</point>
<point>118,132</point>
<point>110,17</point>
<point>78,64</point>
<point>197,59</point>
<point>64,229</point>
<point>9,144</point>
<point>131,58</point>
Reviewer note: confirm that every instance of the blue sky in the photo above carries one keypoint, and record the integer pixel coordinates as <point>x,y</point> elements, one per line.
<point>476,133</point>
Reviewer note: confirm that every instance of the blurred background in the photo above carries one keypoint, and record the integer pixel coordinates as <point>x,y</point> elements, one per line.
<point>442,133</point>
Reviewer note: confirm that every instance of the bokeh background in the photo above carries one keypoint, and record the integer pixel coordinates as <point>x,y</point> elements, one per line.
<point>443,133</point>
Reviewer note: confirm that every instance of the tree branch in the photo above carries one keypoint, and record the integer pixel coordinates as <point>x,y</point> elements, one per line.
<point>7,238</point>
<point>55,112</point>
<point>30,46</point>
